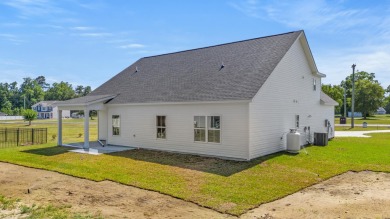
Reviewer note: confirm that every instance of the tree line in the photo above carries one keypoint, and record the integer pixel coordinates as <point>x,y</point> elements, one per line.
<point>14,99</point>
<point>369,94</point>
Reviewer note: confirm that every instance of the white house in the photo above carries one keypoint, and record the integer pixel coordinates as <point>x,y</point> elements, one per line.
<point>49,110</point>
<point>381,111</point>
<point>236,100</point>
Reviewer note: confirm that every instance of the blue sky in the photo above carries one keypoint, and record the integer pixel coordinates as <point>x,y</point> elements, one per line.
<point>86,42</point>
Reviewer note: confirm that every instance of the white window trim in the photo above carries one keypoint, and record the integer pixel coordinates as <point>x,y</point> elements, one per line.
<point>120,125</point>
<point>206,130</point>
<point>157,127</point>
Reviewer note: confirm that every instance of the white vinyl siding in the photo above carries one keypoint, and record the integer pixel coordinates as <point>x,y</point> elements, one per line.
<point>286,93</point>
<point>138,128</point>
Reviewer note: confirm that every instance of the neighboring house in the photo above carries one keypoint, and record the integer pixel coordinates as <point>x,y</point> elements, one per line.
<point>3,114</point>
<point>356,114</point>
<point>381,111</point>
<point>236,100</point>
<point>49,110</point>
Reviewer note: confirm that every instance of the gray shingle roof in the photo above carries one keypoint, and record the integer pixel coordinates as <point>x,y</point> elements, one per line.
<point>85,100</point>
<point>197,75</point>
<point>46,103</point>
<point>327,100</point>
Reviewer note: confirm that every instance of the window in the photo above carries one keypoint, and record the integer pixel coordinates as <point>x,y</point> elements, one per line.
<point>296,121</point>
<point>214,129</point>
<point>161,127</point>
<point>116,124</point>
<point>211,132</point>
<point>200,128</point>
<point>314,84</point>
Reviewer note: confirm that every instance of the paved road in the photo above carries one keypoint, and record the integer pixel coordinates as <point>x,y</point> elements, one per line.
<point>361,134</point>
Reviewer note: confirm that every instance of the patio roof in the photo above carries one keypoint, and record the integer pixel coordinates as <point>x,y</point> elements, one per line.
<point>87,100</point>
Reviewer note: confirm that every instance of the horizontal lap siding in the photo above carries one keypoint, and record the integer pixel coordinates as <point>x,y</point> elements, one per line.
<point>287,92</point>
<point>102,121</point>
<point>138,128</point>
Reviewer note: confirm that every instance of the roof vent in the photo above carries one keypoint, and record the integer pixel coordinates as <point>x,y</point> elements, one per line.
<point>136,68</point>
<point>222,66</point>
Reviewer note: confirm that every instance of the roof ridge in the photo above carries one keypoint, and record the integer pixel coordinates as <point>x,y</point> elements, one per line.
<point>223,44</point>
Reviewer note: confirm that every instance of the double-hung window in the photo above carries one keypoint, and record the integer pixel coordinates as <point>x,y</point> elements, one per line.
<point>199,128</point>
<point>207,133</point>
<point>161,127</point>
<point>116,124</point>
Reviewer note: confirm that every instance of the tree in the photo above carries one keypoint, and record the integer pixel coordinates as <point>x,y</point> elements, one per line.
<point>29,115</point>
<point>82,91</point>
<point>368,96</point>
<point>336,92</point>
<point>41,81</point>
<point>31,92</point>
<point>87,90</point>
<point>79,90</point>
<point>60,91</point>
<point>386,104</point>
<point>359,76</point>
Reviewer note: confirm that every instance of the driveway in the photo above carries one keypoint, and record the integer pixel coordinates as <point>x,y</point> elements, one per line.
<point>361,134</point>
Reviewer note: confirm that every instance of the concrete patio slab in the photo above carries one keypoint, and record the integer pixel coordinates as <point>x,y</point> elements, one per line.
<point>97,149</point>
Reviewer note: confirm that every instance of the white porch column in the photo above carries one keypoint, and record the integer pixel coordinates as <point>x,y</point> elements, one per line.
<point>59,140</point>
<point>86,128</point>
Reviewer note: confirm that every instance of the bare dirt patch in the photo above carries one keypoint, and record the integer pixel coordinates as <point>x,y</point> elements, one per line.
<point>110,199</point>
<point>351,195</point>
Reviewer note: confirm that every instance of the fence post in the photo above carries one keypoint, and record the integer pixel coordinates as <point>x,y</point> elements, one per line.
<point>17,137</point>
<point>32,135</point>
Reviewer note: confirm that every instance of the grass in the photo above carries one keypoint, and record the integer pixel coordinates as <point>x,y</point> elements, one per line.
<point>377,119</point>
<point>18,210</point>
<point>359,128</point>
<point>71,129</point>
<point>226,186</point>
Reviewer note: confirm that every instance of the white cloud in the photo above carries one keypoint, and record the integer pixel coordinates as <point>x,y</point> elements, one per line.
<point>374,59</point>
<point>12,38</point>
<point>100,34</point>
<point>306,14</point>
<point>82,28</point>
<point>29,8</point>
<point>249,7</point>
<point>132,46</point>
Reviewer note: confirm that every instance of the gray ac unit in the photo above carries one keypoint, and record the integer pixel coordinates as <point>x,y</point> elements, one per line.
<point>320,139</point>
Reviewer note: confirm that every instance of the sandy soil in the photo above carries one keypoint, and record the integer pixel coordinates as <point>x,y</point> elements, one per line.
<point>110,199</point>
<point>350,195</point>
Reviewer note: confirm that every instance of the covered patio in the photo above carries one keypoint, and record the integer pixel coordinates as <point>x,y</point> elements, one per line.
<point>86,104</point>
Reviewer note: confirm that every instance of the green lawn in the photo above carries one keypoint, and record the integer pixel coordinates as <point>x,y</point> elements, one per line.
<point>226,186</point>
<point>359,128</point>
<point>73,129</point>
<point>377,119</point>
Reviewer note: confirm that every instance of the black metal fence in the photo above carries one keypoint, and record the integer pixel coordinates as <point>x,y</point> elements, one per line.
<point>10,137</point>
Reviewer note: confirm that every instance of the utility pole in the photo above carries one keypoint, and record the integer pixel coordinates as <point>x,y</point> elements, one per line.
<point>345,102</point>
<point>24,102</point>
<point>353,97</point>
